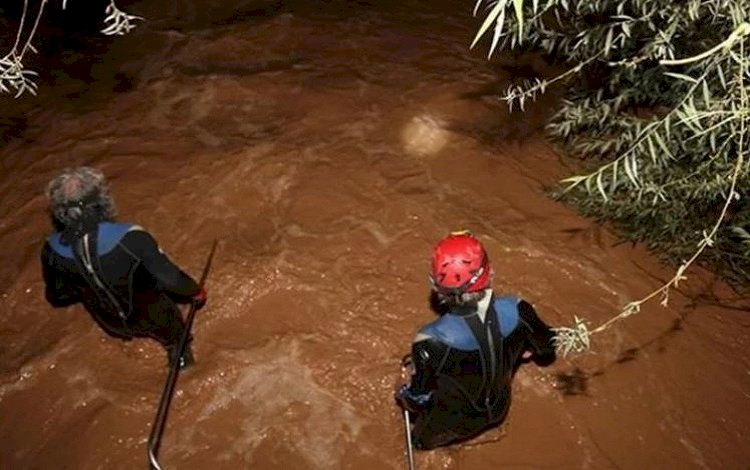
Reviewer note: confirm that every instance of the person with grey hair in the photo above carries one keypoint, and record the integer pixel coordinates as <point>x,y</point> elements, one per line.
<point>462,364</point>
<point>116,270</point>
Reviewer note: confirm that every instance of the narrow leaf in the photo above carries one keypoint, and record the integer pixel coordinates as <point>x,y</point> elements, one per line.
<point>681,76</point>
<point>629,172</point>
<point>573,182</point>
<point>600,186</point>
<point>518,5</point>
<point>722,79</point>
<point>608,42</point>
<point>614,176</point>
<point>662,145</point>
<point>498,31</point>
<point>706,93</point>
<point>651,149</point>
<point>476,7</point>
<point>499,6</point>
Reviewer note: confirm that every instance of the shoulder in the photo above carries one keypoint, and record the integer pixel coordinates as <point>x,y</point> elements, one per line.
<point>112,233</point>
<point>55,246</point>
<point>506,301</point>
<point>451,330</point>
<point>506,310</point>
<point>133,234</point>
<point>118,228</point>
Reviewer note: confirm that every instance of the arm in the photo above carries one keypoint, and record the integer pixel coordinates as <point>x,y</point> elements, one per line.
<point>539,335</point>
<point>57,292</point>
<point>169,277</point>
<point>426,356</point>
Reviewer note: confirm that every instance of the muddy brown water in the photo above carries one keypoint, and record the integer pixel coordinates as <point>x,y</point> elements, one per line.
<point>327,146</point>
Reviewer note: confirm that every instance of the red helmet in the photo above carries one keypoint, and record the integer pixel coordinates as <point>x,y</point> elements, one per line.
<point>460,264</point>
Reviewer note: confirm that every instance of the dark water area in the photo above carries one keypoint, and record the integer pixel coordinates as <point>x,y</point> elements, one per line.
<point>328,146</point>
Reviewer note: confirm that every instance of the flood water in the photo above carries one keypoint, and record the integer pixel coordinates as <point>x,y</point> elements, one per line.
<point>328,146</point>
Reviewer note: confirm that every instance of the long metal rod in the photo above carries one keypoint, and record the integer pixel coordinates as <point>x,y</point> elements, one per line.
<point>166,396</point>
<point>409,446</point>
<point>406,364</point>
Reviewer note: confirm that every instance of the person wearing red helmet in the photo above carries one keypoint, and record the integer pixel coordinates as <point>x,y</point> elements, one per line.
<point>463,362</point>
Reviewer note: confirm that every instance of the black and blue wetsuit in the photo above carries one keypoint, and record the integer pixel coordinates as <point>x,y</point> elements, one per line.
<point>122,278</point>
<point>464,363</point>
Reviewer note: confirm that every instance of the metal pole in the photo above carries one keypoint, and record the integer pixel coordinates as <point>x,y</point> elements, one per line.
<point>166,396</point>
<point>409,447</point>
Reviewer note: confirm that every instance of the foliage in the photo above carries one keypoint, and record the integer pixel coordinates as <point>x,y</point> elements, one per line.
<point>659,108</point>
<point>14,78</point>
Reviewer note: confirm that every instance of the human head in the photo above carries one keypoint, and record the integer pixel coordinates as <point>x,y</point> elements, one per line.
<point>79,198</point>
<point>460,270</point>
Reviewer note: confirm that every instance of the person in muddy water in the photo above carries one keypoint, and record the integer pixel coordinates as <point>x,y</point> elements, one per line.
<point>462,364</point>
<point>116,270</point>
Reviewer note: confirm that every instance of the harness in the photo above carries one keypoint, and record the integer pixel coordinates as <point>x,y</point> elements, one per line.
<point>86,251</point>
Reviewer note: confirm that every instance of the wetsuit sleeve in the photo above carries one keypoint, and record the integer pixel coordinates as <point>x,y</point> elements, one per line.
<point>425,355</point>
<point>57,292</point>
<point>171,279</point>
<point>539,335</point>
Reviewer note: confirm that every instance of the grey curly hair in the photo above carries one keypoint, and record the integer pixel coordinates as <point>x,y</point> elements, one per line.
<point>79,196</point>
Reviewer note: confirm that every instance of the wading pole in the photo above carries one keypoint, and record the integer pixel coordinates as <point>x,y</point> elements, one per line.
<point>409,447</point>
<point>406,363</point>
<point>166,395</point>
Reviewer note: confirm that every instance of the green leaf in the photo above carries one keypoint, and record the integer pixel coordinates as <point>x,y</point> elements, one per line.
<point>652,149</point>
<point>499,6</point>
<point>588,182</point>
<point>722,79</point>
<point>518,5</point>
<point>662,144</point>
<point>499,24</point>
<point>573,182</point>
<point>614,176</point>
<point>608,42</point>
<point>681,76</point>
<point>476,7</point>
<point>706,93</point>
<point>600,186</point>
<point>629,172</point>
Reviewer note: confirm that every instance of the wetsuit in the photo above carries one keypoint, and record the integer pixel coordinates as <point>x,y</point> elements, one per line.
<point>122,278</point>
<point>464,365</point>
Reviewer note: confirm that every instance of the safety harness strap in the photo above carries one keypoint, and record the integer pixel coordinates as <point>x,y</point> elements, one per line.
<point>87,259</point>
<point>490,341</point>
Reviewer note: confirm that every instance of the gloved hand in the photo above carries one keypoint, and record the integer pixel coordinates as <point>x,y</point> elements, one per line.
<point>200,299</point>
<point>411,401</point>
